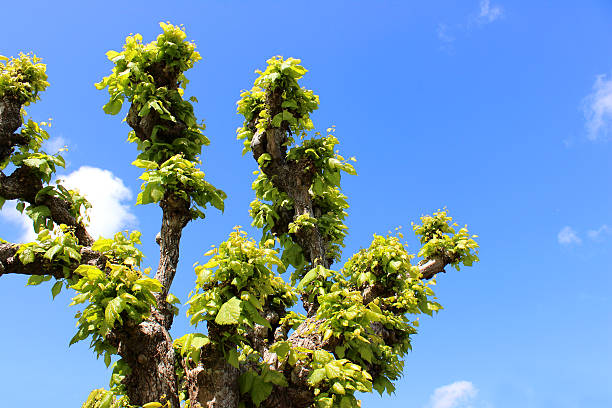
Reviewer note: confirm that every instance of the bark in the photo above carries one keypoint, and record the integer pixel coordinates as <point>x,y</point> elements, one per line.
<point>10,263</point>
<point>293,178</point>
<point>175,218</point>
<point>147,348</point>
<point>214,382</point>
<point>10,121</point>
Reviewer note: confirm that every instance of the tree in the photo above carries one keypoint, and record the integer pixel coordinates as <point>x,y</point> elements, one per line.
<point>258,349</point>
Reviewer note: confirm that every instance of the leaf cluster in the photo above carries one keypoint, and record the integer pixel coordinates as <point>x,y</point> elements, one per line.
<point>119,295</point>
<point>61,249</point>
<point>22,78</point>
<point>281,76</point>
<point>233,287</point>
<point>180,177</point>
<point>441,240</point>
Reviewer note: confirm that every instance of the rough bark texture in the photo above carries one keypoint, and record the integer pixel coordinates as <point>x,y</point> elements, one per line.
<point>10,263</point>
<point>175,218</point>
<point>214,382</point>
<point>147,348</point>
<point>293,178</point>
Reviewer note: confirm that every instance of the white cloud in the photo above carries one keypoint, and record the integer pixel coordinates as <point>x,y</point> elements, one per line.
<point>455,395</point>
<point>597,234</point>
<point>568,236</point>
<point>55,144</point>
<point>106,193</point>
<point>598,108</point>
<point>489,13</point>
<point>22,223</point>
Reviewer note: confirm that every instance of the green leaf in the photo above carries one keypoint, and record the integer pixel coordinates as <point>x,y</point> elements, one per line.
<point>232,359</point>
<point>199,341</point>
<point>153,285</point>
<point>337,388</point>
<point>145,164</point>
<point>332,371</point>
<point>309,277</point>
<point>27,256</point>
<point>35,280</point>
<point>89,271</point>
<point>57,287</point>
<point>246,381</point>
<point>316,376</point>
<point>281,349</point>
<point>322,356</point>
<point>325,403</point>
<point>106,401</point>
<point>260,390</point>
<point>72,253</point>
<point>395,265</point>
<point>152,405</point>
<point>346,402</point>
<point>229,312</point>
<point>113,107</point>
<point>113,309</point>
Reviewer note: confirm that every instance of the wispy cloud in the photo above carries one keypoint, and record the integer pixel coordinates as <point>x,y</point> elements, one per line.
<point>55,144</point>
<point>598,108</point>
<point>598,234</point>
<point>456,395</point>
<point>489,13</point>
<point>106,193</point>
<point>567,236</point>
<point>444,35</point>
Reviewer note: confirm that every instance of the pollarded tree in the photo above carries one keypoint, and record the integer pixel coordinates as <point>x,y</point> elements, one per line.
<point>258,349</point>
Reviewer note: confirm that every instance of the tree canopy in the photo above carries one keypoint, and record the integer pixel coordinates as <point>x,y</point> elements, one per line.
<point>257,345</point>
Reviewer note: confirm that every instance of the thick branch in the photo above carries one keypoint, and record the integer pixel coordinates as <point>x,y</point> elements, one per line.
<point>23,184</point>
<point>148,350</point>
<point>10,263</point>
<point>175,218</point>
<point>10,121</point>
<point>430,267</point>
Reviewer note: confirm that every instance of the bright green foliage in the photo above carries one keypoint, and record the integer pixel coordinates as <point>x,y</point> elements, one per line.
<point>121,249</point>
<point>132,79</point>
<point>181,178</point>
<point>317,153</point>
<point>297,102</point>
<point>102,398</point>
<point>439,239</point>
<point>170,161</point>
<point>338,380</point>
<point>190,345</point>
<point>259,384</point>
<point>22,78</point>
<point>117,295</point>
<point>61,249</point>
<point>120,370</point>
<point>235,284</point>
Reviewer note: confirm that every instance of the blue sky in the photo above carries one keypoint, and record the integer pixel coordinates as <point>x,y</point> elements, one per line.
<point>499,110</point>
